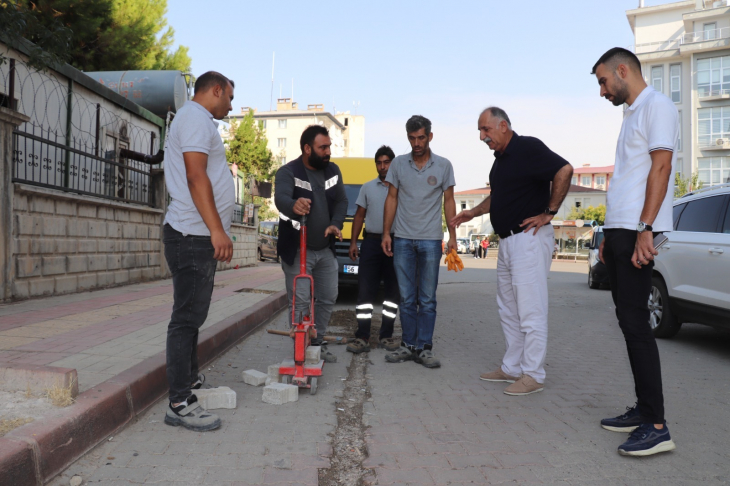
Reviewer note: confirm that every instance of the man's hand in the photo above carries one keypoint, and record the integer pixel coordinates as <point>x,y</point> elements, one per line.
<point>536,222</point>
<point>386,244</point>
<point>301,206</point>
<point>600,251</point>
<point>462,217</point>
<point>451,245</point>
<point>644,250</point>
<point>354,252</point>
<point>223,246</point>
<point>333,230</point>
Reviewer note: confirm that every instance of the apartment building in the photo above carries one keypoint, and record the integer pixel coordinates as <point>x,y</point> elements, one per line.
<point>684,49</point>
<point>593,177</point>
<point>468,200</point>
<point>284,127</point>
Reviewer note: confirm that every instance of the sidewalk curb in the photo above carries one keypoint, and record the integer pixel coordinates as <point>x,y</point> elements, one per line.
<point>36,452</point>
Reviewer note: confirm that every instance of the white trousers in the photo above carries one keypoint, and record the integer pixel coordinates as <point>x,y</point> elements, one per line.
<point>522,297</point>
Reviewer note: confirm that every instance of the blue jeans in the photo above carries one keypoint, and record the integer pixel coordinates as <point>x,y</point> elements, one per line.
<point>417,269</point>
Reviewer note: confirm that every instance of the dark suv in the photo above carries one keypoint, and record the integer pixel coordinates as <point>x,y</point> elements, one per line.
<point>268,236</point>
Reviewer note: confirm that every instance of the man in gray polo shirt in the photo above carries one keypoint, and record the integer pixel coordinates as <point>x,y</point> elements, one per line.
<point>419,181</point>
<point>374,264</point>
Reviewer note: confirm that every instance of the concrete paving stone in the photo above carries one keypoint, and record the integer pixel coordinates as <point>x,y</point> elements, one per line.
<point>312,354</point>
<point>223,475</point>
<point>215,398</point>
<point>462,475</point>
<point>412,461</point>
<point>401,476</point>
<point>516,475</point>
<point>254,377</point>
<point>459,461</point>
<point>280,393</point>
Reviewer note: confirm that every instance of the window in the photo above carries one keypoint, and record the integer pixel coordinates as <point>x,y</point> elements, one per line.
<point>578,203</point>
<point>713,170</point>
<point>726,225</point>
<point>282,123</point>
<point>679,169</point>
<point>585,181</point>
<point>701,216</point>
<point>281,142</point>
<point>346,120</point>
<point>574,180</point>
<point>281,159</point>
<point>713,76</point>
<point>262,124</point>
<point>676,212</point>
<point>352,191</point>
<point>678,148</point>
<point>709,31</point>
<point>463,206</point>
<point>675,82</point>
<point>713,124</point>
<point>586,202</point>
<point>600,180</point>
<point>657,75</point>
<point>345,143</point>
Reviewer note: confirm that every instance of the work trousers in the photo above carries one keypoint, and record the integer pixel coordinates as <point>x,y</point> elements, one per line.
<point>322,266</point>
<point>630,288</point>
<point>191,262</point>
<point>375,266</point>
<point>523,264</point>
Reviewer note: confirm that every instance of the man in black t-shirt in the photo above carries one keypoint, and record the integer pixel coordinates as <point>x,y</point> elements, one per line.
<point>529,183</point>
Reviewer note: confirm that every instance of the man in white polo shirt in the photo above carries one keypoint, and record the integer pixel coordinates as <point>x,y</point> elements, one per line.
<point>196,237</point>
<point>639,203</point>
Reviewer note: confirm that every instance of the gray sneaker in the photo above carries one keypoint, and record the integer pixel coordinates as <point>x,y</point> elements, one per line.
<point>327,356</point>
<point>399,355</point>
<point>191,415</point>
<point>427,359</point>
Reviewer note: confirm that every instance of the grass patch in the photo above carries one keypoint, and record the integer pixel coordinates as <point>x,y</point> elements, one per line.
<point>6,425</point>
<point>61,396</point>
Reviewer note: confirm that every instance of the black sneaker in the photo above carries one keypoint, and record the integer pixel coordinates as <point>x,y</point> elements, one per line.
<point>647,440</point>
<point>192,416</point>
<point>623,423</point>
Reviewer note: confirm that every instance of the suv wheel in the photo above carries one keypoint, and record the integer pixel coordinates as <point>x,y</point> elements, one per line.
<point>261,256</point>
<point>661,318</point>
<point>592,283</point>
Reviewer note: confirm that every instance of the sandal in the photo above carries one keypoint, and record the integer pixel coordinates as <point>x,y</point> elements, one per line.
<point>400,355</point>
<point>358,346</point>
<point>390,344</point>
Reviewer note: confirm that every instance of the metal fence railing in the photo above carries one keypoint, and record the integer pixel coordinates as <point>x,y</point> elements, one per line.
<point>74,137</point>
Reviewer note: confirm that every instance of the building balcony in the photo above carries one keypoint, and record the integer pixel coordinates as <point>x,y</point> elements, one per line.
<point>713,94</point>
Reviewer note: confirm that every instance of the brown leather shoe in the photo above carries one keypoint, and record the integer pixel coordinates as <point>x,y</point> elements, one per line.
<point>524,386</point>
<point>498,375</point>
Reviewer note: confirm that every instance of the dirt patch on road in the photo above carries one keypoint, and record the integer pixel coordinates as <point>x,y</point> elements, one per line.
<point>342,323</point>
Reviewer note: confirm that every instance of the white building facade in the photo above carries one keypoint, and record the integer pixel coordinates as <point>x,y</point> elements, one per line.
<point>684,49</point>
<point>284,127</point>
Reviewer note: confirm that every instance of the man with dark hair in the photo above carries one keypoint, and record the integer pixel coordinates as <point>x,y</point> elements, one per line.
<point>210,79</point>
<point>419,182</point>
<point>638,205</point>
<point>311,185</point>
<point>529,182</point>
<point>374,264</point>
<point>196,237</point>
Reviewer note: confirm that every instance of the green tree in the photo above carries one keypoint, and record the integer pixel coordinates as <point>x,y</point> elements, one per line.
<point>684,185</point>
<point>597,214</point>
<point>575,213</point>
<point>248,149</point>
<point>109,35</point>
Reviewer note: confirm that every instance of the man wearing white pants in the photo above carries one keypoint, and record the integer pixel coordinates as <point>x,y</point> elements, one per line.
<point>529,183</point>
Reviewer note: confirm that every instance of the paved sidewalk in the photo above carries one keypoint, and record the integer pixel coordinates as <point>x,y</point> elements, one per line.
<point>103,333</point>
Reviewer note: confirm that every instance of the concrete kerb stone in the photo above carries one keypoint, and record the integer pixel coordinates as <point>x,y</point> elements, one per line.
<point>220,397</point>
<point>254,377</point>
<point>38,379</point>
<point>280,393</point>
<point>55,443</point>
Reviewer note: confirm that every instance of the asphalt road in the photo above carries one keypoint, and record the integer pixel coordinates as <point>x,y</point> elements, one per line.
<point>445,426</point>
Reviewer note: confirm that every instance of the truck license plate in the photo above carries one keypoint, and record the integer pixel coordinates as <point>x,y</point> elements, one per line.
<point>351,269</point>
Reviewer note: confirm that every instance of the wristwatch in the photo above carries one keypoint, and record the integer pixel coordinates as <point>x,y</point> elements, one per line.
<point>642,226</point>
<point>550,211</point>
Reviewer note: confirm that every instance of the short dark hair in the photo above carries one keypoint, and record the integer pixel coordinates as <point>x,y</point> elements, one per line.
<point>310,133</point>
<point>618,55</point>
<point>384,150</point>
<point>416,122</point>
<point>211,79</point>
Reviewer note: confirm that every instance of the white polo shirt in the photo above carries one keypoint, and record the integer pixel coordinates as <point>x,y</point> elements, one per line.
<point>650,123</point>
<point>195,130</point>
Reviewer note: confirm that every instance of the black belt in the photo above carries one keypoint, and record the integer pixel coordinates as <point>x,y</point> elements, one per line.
<point>375,235</point>
<point>513,231</point>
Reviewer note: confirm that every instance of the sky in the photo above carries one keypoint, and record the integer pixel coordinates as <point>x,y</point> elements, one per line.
<point>388,60</point>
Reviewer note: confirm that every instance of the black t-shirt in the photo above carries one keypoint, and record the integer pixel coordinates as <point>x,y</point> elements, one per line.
<point>520,181</point>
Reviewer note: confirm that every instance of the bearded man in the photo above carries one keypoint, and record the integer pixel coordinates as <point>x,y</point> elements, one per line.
<point>311,185</point>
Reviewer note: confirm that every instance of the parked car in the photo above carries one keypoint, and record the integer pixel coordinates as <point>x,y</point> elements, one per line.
<point>268,236</point>
<point>691,281</point>
<point>462,245</point>
<point>597,271</point>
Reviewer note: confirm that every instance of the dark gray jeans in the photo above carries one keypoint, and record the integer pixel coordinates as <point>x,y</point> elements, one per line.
<point>192,265</point>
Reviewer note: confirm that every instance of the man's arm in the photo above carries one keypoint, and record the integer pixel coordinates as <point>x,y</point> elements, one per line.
<point>560,187</point>
<point>201,191</point>
<point>391,205</point>
<point>469,214</point>
<point>284,196</point>
<point>450,213</point>
<point>657,185</point>
<point>357,222</point>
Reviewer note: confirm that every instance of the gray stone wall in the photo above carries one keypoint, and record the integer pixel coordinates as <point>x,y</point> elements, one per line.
<point>64,243</point>
<point>244,247</point>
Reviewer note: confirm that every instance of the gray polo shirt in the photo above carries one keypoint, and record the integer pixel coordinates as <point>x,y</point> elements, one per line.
<point>420,196</point>
<point>372,199</point>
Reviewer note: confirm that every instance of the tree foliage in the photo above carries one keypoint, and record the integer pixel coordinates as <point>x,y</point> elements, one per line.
<point>597,214</point>
<point>248,150</point>
<point>684,185</point>
<point>106,35</point>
